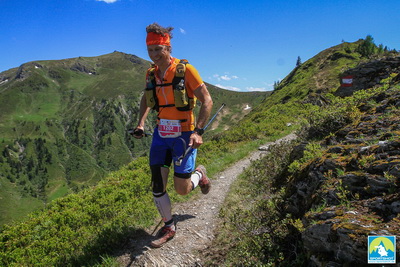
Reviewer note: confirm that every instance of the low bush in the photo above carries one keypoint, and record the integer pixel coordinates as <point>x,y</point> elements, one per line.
<point>76,229</point>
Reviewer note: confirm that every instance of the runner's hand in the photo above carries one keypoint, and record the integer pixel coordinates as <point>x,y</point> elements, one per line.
<point>138,132</point>
<point>195,140</point>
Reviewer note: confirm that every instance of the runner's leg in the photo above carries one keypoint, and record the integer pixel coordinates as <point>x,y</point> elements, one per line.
<point>163,204</point>
<point>160,160</point>
<point>184,178</point>
<point>160,195</point>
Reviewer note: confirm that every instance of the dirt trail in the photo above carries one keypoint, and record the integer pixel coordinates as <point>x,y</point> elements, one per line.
<point>196,221</point>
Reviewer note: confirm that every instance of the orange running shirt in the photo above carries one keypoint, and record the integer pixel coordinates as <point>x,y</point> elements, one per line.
<point>165,94</point>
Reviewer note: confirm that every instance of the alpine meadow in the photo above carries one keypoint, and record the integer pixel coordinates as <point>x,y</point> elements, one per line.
<point>75,186</point>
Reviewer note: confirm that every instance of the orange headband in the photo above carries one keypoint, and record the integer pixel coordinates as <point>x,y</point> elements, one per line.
<point>157,39</point>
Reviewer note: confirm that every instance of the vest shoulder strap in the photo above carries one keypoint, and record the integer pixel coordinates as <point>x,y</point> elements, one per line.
<point>179,74</point>
<point>180,71</point>
<point>182,100</point>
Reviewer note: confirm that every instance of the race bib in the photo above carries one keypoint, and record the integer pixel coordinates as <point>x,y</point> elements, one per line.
<point>169,128</point>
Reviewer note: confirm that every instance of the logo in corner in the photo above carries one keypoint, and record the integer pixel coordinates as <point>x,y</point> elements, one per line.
<point>381,249</point>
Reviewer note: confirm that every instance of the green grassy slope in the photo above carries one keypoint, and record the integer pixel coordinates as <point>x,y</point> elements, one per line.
<point>318,75</point>
<point>51,114</point>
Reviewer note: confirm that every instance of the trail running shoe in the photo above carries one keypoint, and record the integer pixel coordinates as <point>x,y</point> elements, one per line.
<point>163,236</point>
<point>204,182</point>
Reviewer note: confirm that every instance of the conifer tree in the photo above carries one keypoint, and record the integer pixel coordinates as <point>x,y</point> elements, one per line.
<point>380,49</point>
<point>298,62</point>
<point>276,85</point>
<point>367,48</point>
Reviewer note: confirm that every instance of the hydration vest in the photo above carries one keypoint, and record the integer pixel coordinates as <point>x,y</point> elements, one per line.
<point>182,101</point>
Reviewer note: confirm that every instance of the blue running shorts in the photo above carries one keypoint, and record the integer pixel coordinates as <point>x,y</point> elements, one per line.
<point>163,150</point>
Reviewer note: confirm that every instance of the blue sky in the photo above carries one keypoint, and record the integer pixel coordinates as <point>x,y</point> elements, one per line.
<point>238,45</point>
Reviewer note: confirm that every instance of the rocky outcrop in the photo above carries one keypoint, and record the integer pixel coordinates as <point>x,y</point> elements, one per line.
<point>370,74</point>
<point>353,190</point>
<point>135,59</point>
<point>81,67</point>
<point>25,70</point>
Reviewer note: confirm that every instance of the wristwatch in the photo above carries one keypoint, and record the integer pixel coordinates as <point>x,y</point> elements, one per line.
<point>198,131</point>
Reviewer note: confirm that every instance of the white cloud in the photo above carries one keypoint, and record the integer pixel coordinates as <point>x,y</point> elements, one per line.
<point>271,85</point>
<point>232,88</point>
<point>107,1</point>
<point>182,31</point>
<point>253,89</point>
<point>225,77</point>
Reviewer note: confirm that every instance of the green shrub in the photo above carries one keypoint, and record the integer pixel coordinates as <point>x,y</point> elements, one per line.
<point>312,151</point>
<point>76,229</point>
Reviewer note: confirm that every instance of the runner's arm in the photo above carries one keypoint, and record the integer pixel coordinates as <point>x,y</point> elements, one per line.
<point>143,112</point>
<point>204,97</point>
